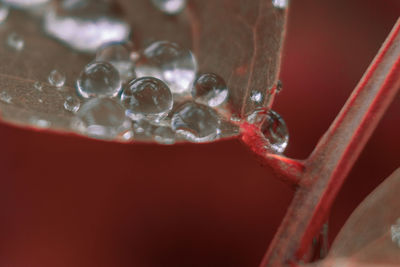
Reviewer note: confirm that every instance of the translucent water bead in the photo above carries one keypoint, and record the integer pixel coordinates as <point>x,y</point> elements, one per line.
<point>57,78</point>
<point>273,128</point>
<point>280,3</point>
<point>15,41</point>
<point>85,25</point>
<point>210,89</point>
<point>196,122</point>
<point>170,7</point>
<point>147,98</point>
<point>164,135</point>
<point>4,11</point>
<point>102,118</point>
<point>98,79</point>
<point>169,62</point>
<point>119,55</point>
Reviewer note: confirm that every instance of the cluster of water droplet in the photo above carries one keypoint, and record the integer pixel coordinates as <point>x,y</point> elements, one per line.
<point>155,92</point>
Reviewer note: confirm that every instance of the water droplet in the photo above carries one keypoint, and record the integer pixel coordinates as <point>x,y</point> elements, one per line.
<point>275,131</point>
<point>280,3</point>
<point>24,3</point>
<point>170,63</point>
<point>148,98</point>
<point>40,100</point>
<point>39,122</point>
<point>210,89</point>
<point>98,79</point>
<point>5,97</point>
<point>57,78</point>
<point>4,10</point>
<point>38,85</point>
<point>170,7</point>
<point>196,122</point>
<point>72,103</point>
<point>15,41</point>
<point>395,232</point>
<point>102,118</point>
<point>235,118</point>
<point>164,135</point>
<point>256,96</point>
<point>85,25</point>
<point>119,56</point>
<point>142,127</point>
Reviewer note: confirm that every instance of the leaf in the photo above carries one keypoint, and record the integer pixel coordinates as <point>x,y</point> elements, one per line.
<point>239,40</point>
<point>366,238</point>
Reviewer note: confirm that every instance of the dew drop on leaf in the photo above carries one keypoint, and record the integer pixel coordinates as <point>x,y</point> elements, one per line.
<point>280,3</point>
<point>72,103</point>
<point>210,89</point>
<point>102,118</point>
<point>5,97</point>
<point>4,10</point>
<point>167,61</point>
<point>275,131</point>
<point>147,98</point>
<point>57,78</point>
<point>15,41</point>
<point>395,232</point>
<point>38,85</point>
<point>196,122</point>
<point>170,7</point>
<point>98,79</point>
<point>85,25</point>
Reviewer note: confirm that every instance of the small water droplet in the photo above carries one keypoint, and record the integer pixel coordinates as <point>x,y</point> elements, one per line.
<point>5,97</point>
<point>210,89</point>
<point>72,103</point>
<point>395,232</point>
<point>15,41</point>
<point>235,118</point>
<point>102,118</point>
<point>85,25</point>
<point>148,98</point>
<point>39,122</point>
<point>40,100</point>
<point>170,7</point>
<point>275,131</point>
<point>164,135</point>
<point>119,56</point>
<point>98,79</point>
<point>142,127</point>
<point>38,85</point>
<point>4,11</point>
<point>128,135</point>
<point>24,3</point>
<point>280,3</point>
<point>196,122</point>
<point>57,78</point>
<point>256,96</point>
<point>170,63</point>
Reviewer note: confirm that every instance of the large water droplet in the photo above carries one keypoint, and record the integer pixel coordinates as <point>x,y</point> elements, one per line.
<point>196,122</point>
<point>72,103</point>
<point>210,89</point>
<point>98,79</point>
<point>85,25</point>
<point>119,56</point>
<point>170,63</point>
<point>15,41</point>
<point>57,78</point>
<point>164,135</point>
<point>4,10</point>
<point>170,7</point>
<point>24,3</point>
<point>395,232</point>
<point>273,128</point>
<point>102,118</point>
<point>280,3</point>
<point>256,96</point>
<point>5,97</point>
<point>148,98</point>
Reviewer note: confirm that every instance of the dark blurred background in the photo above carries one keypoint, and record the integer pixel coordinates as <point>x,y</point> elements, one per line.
<point>66,201</point>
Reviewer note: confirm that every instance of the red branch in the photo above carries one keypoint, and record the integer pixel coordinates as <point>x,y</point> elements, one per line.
<point>327,167</point>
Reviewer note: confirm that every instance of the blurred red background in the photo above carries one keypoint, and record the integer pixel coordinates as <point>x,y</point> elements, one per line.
<point>66,201</point>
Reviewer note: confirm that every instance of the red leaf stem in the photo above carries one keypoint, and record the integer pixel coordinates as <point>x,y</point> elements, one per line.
<point>332,159</point>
